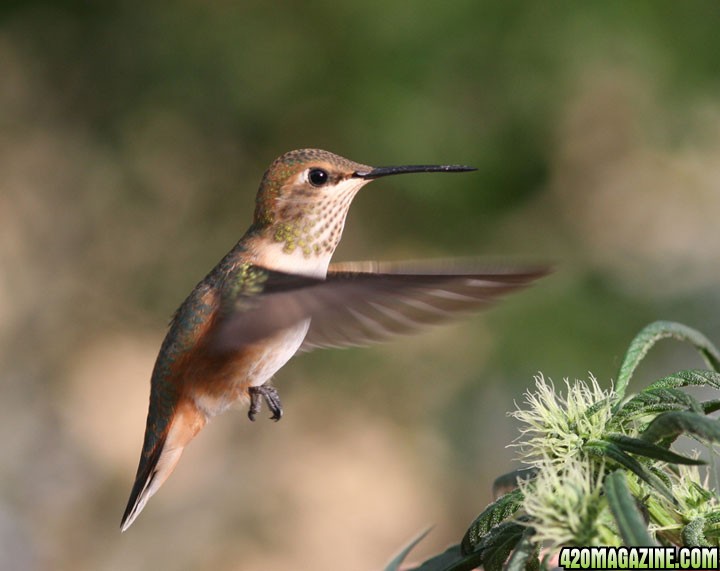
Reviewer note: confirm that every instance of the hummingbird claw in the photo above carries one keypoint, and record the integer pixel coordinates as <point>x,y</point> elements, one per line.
<point>272,399</point>
<point>255,404</point>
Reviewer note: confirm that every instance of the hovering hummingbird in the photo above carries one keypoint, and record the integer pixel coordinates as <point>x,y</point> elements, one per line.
<point>275,294</point>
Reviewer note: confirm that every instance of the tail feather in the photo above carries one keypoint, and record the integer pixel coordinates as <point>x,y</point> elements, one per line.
<point>160,461</point>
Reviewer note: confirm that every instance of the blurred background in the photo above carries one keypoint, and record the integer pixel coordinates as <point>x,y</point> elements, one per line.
<point>133,136</point>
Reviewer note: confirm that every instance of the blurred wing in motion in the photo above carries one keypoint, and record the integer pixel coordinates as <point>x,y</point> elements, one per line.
<point>381,301</point>
<point>361,303</point>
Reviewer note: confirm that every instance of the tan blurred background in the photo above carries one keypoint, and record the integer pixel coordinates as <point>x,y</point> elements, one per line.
<point>132,139</point>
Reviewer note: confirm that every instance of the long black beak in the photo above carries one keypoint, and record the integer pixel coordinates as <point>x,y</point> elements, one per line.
<point>387,171</point>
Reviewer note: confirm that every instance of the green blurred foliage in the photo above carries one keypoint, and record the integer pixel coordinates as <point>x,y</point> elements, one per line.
<point>132,139</point>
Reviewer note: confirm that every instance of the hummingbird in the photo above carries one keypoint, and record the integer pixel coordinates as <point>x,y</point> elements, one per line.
<point>276,294</point>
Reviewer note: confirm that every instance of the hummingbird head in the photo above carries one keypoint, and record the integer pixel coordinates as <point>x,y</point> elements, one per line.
<point>304,198</point>
<point>298,184</point>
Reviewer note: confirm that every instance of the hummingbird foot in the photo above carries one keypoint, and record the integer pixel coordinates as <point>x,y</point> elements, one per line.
<point>272,399</point>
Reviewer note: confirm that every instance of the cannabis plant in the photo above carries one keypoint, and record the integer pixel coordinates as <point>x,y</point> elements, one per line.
<point>599,468</point>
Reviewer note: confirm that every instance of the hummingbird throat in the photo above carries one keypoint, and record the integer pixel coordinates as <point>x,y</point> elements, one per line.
<point>303,235</point>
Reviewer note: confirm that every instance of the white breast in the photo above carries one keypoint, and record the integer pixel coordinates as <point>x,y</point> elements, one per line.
<point>277,351</point>
<point>273,256</point>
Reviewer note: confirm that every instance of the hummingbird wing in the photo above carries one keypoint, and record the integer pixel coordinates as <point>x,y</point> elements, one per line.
<point>383,300</point>
<point>361,303</point>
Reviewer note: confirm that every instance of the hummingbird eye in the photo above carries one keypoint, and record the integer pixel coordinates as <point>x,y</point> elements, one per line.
<point>317,177</point>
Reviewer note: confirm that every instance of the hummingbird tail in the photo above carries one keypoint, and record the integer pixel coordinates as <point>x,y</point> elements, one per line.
<point>159,461</point>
